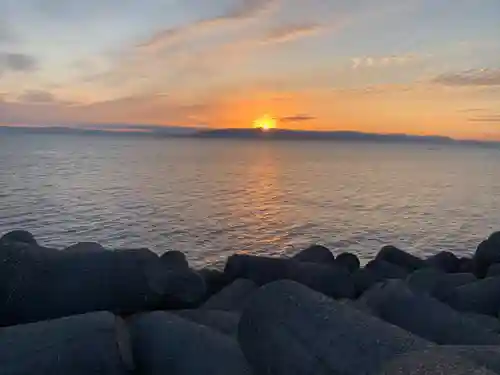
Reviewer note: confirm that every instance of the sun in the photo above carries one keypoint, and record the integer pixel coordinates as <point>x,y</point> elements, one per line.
<point>265,123</point>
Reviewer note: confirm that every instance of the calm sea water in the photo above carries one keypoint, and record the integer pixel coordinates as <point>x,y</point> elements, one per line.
<point>210,198</point>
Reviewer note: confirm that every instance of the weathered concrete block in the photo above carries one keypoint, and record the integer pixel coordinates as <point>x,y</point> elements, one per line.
<point>445,261</point>
<point>174,259</point>
<point>234,297</point>
<point>86,247</point>
<point>485,356</point>
<point>481,296</point>
<point>400,258</point>
<point>84,344</point>
<point>487,253</point>
<point>20,236</point>
<point>41,287</point>
<point>315,254</point>
<point>436,283</point>
<point>432,362</point>
<point>493,270</point>
<point>330,280</point>
<point>425,316</point>
<point>348,261</point>
<point>215,280</point>
<point>181,288</point>
<point>165,343</point>
<point>225,322</point>
<point>288,328</point>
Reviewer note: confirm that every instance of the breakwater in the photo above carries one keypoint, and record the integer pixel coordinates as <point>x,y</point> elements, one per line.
<point>90,310</point>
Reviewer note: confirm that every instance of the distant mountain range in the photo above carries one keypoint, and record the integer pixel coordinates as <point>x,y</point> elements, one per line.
<point>203,133</point>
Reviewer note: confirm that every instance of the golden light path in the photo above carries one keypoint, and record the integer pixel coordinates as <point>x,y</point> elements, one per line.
<point>265,122</point>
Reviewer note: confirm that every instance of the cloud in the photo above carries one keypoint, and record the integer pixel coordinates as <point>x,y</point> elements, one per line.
<point>297,118</point>
<point>291,32</point>
<point>480,77</point>
<point>381,61</point>
<point>245,10</point>
<point>486,118</point>
<point>16,62</point>
<point>37,96</point>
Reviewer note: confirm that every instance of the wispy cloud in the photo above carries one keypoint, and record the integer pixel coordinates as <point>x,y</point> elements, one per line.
<point>16,62</point>
<point>298,118</point>
<point>382,61</point>
<point>291,32</point>
<point>479,77</point>
<point>486,118</point>
<point>245,10</point>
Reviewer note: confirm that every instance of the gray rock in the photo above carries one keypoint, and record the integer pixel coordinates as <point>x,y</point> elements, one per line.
<point>348,261</point>
<point>445,261</point>
<point>386,270</point>
<point>215,280</point>
<point>165,343</point>
<point>485,356</point>
<point>39,286</point>
<point>20,236</point>
<point>234,297</point>
<point>486,321</point>
<point>85,344</point>
<point>330,280</point>
<point>425,316</point>
<point>466,265</point>
<point>86,247</point>
<point>493,270</point>
<point>432,362</point>
<point>481,296</point>
<point>174,259</point>
<point>288,329</point>
<point>400,258</point>
<point>437,283</point>
<point>182,288</point>
<point>225,322</point>
<point>487,253</point>
<point>315,254</point>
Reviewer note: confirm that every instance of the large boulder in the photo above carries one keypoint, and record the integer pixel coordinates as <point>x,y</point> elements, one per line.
<point>482,296</point>
<point>19,236</point>
<point>425,316</point>
<point>445,261</point>
<point>76,345</point>
<point>400,258</point>
<point>493,270</point>
<point>86,247</point>
<point>215,280</point>
<point>485,356</point>
<point>436,283</point>
<point>165,343</point>
<point>223,321</point>
<point>181,287</point>
<point>348,261</point>
<point>288,328</point>
<point>487,253</point>
<point>234,297</point>
<point>315,254</point>
<point>174,259</point>
<point>433,362</point>
<point>374,272</point>
<point>333,281</point>
<point>39,287</point>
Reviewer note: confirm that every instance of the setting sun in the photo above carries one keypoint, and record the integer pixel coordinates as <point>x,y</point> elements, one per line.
<point>265,122</point>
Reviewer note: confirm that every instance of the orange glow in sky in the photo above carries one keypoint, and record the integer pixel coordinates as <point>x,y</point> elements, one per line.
<point>265,122</point>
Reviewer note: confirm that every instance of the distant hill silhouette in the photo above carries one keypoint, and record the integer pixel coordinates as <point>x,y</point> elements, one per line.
<point>240,133</point>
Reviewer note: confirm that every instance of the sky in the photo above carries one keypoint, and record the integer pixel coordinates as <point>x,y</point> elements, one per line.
<point>386,66</point>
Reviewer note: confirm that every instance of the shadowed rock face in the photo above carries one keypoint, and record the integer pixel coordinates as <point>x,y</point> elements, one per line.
<point>487,253</point>
<point>430,362</point>
<point>400,258</point>
<point>164,343</point>
<point>289,329</point>
<point>79,345</point>
<point>21,236</point>
<point>315,254</point>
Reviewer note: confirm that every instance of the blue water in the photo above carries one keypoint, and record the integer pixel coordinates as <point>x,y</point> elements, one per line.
<point>210,198</point>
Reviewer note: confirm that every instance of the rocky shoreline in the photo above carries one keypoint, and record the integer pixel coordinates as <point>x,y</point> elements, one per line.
<point>91,310</point>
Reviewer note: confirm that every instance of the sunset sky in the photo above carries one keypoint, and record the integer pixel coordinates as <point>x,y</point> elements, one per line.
<point>414,66</point>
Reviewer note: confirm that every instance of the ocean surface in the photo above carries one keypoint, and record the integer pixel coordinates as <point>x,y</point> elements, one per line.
<point>211,198</point>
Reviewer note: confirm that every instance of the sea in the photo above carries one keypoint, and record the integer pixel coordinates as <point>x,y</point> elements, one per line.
<point>211,198</point>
